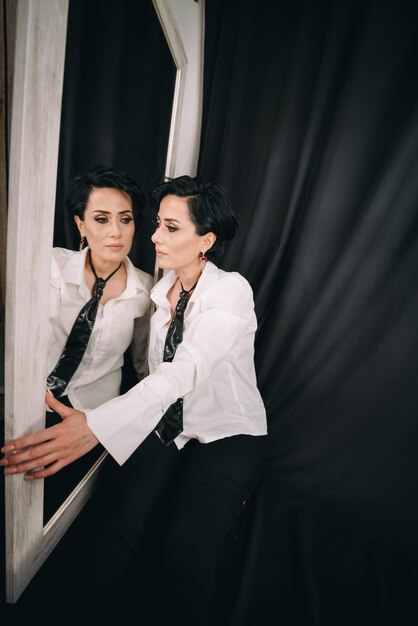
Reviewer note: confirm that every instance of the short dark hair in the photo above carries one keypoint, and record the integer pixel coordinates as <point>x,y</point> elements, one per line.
<point>209,206</point>
<point>99,176</point>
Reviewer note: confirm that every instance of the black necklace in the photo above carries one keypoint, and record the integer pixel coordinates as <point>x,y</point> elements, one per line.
<point>183,292</point>
<point>100,283</point>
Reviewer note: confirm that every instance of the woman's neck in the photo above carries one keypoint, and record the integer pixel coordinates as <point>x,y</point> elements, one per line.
<point>102,267</point>
<point>189,276</point>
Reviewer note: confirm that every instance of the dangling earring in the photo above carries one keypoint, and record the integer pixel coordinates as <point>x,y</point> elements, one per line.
<point>83,242</point>
<point>203,257</point>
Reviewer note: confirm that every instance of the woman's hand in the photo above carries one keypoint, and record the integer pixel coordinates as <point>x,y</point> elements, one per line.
<point>47,451</point>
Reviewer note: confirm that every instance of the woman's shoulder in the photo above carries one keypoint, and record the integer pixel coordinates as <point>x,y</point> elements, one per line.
<point>65,264</point>
<point>61,256</point>
<point>229,290</point>
<point>230,279</point>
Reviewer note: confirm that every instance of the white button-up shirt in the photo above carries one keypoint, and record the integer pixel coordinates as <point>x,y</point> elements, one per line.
<point>98,376</point>
<point>213,370</point>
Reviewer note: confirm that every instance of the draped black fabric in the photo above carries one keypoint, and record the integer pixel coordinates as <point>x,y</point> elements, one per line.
<point>116,108</point>
<point>311,122</point>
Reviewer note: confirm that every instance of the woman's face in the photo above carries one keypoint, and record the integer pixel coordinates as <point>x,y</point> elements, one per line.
<point>177,244</point>
<point>108,224</point>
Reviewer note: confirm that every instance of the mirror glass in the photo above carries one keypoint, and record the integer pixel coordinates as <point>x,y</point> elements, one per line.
<point>119,83</point>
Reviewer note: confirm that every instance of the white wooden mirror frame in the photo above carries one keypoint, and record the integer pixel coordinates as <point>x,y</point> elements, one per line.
<point>37,93</point>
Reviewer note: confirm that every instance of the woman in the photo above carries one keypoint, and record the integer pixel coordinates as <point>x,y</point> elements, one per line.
<point>190,436</point>
<point>107,207</point>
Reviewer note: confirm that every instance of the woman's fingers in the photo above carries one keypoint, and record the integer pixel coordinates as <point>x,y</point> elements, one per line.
<point>28,459</point>
<point>52,468</point>
<point>40,463</point>
<point>50,449</point>
<point>46,434</point>
<point>57,406</point>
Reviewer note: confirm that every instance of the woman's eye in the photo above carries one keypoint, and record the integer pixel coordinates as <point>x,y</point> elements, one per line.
<point>169,227</point>
<point>127,220</point>
<point>101,220</point>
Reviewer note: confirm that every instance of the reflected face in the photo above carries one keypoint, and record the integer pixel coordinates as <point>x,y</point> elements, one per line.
<point>108,224</point>
<point>177,244</point>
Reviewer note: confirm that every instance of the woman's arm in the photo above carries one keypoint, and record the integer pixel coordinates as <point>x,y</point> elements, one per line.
<point>226,315</point>
<point>123,423</point>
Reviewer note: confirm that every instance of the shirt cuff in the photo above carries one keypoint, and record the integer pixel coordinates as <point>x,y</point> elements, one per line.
<point>123,423</point>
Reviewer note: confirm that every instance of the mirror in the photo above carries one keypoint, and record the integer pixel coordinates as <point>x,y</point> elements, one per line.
<point>37,100</point>
<point>118,72</point>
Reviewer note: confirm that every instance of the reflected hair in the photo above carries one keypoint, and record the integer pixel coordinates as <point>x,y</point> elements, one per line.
<point>210,208</point>
<point>97,177</point>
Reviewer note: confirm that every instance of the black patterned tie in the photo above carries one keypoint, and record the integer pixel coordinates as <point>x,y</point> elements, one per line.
<point>171,423</point>
<point>78,338</point>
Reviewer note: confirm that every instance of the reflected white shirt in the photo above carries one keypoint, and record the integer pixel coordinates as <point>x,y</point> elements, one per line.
<point>213,370</point>
<point>98,376</point>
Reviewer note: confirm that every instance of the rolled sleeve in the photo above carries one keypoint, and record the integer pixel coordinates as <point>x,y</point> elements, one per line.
<point>123,423</point>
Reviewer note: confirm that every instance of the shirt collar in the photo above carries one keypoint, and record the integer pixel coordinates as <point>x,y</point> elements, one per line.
<point>73,272</point>
<point>134,282</point>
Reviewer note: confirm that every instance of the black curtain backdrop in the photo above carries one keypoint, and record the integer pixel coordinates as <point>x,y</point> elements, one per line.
<point>311,122</point>
<point>117,99</point>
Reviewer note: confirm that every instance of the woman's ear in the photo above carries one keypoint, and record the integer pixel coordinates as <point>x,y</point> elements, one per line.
<point>208,240</point>
<point>80,224</point>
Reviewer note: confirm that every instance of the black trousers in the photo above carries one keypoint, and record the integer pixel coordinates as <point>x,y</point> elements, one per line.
<point>162,522</point>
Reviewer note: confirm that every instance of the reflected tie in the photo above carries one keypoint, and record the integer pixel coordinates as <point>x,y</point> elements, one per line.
<point>78,338</point>
<point>171,423</point>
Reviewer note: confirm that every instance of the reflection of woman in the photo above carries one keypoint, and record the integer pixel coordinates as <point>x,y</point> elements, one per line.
<point>106,206</point>
<point>203,477</point>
